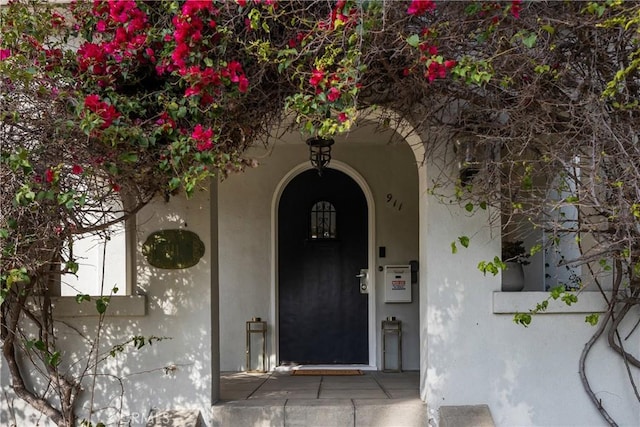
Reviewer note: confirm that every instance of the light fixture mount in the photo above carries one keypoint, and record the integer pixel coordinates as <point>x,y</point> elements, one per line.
<point>320,152</point>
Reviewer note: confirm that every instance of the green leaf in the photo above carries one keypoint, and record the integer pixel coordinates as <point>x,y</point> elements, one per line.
<point>469,207</point>
<point>413,40</point>
<point>18,275</point>
<point>4,233</point>
<point>569,298</point>
<point>523,319</point>
<point>454,248</point>
<point>82,297</point>
<point>54,358</point>
<point>102,304</point>
<point>592,319</point>
<point>129,157</point>
<point>535,249</point>
<point>557,292</point>
<point>72,266</point>
<point>174,183</point>
<point>530,40</point>
<point>464,241</point>
<point>548,28</point>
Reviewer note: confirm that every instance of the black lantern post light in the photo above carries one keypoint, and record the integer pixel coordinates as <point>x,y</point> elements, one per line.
<point>320,152</point>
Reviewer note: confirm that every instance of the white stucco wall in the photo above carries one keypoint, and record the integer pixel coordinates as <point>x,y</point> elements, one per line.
<point>469,352</point>
<point>172,374</point>
<point>471,355</point>
<point>246,218</point>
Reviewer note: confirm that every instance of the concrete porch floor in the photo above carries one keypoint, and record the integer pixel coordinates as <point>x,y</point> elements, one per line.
<point>281,399</point>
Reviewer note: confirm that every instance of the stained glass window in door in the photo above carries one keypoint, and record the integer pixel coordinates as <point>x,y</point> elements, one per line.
<point>323,220</point>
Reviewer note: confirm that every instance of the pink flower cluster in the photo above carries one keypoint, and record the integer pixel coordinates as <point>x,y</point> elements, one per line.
<point>436,70</point>
<point>203,138</point>
<point>321,82</point>
<point>123,27</point>
<point>202,82</point>
<point>233,71</point>
<point>331,86</point>
<point>420,7</point>
<point>516,5</point>
<point>106,112</point>
<point>340,15</point>
<point>189,27</point>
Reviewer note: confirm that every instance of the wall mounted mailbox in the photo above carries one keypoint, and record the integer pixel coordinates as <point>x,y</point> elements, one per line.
<point>397,283</point>
<point>173,249</point>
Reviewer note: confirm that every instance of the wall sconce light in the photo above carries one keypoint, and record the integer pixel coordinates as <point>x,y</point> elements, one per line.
<point>468,164</point>
<point>319,152</point>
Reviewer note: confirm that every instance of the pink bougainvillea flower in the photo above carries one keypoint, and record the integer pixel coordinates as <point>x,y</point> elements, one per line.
<point>107,112</point>
<point>4,54</point>
<point>49,175</point>
<point>333,94</point>
<point>316,77</point>
<point>115,187</point>
<point>342,117</point>
<point>92,102</point>
<point>516,5</point>
<point>435,71</point>
<point>192,91</point>
<point>449,63</point>
<point>419,7</point>
<point>243,84</point>
<point>203,137</point>
<point>57,20</point>
<point>77,169</point>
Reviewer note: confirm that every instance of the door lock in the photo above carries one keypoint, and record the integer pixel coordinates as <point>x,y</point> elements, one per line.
<point>364,280</point>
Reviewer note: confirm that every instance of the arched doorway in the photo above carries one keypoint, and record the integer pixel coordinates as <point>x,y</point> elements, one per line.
<point>322,245</point>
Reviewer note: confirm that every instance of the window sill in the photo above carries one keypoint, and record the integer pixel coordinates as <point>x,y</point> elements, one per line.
<point>119,306</point>
<point>522,302</point>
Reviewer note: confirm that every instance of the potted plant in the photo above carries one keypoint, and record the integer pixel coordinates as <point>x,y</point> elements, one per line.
<point>514,257</point>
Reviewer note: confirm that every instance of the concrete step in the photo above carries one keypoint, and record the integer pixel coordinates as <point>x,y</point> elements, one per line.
<point>320,413</point>
<point>466,416</point>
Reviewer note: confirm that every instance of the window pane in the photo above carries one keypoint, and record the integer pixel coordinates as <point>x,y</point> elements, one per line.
<point>323,220</point>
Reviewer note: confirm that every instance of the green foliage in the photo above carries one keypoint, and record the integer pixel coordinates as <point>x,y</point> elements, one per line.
<point>523,319</point>
<point>556,293</point>
<point>494,267</point>
<point>137,342</point>
<point>592,319</point>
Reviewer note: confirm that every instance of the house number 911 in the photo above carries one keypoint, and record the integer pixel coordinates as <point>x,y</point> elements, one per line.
<point>393,202</point>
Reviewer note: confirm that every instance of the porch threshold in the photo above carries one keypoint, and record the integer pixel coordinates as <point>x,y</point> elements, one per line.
<point>279,399</point>
<point>288,368</point>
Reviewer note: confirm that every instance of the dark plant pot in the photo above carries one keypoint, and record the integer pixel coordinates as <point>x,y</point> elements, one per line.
<point>513,277</point>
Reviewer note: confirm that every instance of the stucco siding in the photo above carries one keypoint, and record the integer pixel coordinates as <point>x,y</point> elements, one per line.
<point>246,218</point>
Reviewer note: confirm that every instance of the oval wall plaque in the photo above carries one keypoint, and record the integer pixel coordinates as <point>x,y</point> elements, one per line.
<point>173,249</point>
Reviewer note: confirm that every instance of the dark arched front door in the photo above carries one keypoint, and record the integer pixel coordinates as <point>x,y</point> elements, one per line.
<point>322,245</point>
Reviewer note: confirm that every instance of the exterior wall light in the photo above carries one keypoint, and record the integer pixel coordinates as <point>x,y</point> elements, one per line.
<point>319,152</point>
<point>468,163</point>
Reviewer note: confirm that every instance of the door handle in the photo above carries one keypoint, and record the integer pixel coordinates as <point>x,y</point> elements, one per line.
<point>364,280</point>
